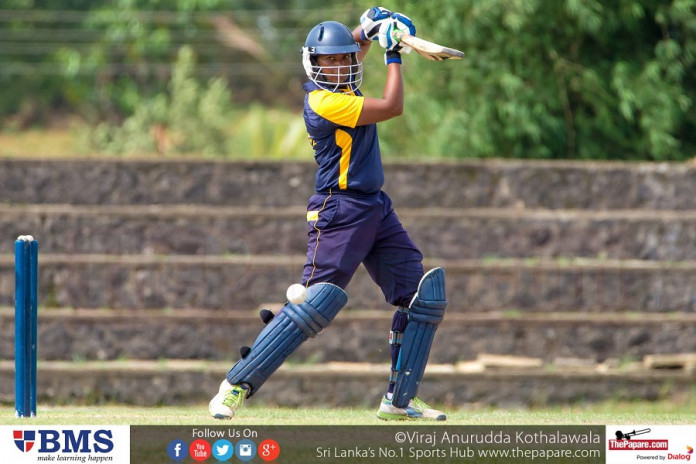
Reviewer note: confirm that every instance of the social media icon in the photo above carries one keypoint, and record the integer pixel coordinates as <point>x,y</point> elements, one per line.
<point>200,450</point>
<point>269,450</point>
<point>245,450</point>
<point>177,450</point>
<point>223,450</point>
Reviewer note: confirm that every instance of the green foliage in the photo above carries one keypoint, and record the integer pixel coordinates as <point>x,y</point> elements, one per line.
<point>190,118</point>
<point>566,79</point>
<point>200,119</point>
<point>259,132</point>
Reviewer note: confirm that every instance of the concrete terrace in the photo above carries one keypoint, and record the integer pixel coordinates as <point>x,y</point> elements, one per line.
<point>564,278</point>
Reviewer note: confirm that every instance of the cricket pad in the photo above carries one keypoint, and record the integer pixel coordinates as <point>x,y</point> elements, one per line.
<point>425,313</point>
<point>294,324</point>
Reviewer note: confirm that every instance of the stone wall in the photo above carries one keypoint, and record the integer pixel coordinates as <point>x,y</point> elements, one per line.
<point>448,233</point>
<point>462,184</point>
<point>354,336</point>
<point>166,261</point>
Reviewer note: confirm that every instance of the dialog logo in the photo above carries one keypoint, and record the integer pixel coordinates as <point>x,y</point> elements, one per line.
<point>177,450</point>
<point>24,439</point>
<point>223,450</point>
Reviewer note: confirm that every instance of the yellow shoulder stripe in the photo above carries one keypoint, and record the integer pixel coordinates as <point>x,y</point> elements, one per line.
<point>339,108</point>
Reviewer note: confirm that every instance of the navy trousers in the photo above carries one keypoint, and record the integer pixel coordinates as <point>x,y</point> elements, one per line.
<point>346,229</point>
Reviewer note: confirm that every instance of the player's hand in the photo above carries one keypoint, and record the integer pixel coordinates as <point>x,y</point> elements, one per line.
<point>387,32</point>
<point>372,19</point>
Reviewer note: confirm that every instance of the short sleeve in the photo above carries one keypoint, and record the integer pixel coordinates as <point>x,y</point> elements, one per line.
<point>339,108</point>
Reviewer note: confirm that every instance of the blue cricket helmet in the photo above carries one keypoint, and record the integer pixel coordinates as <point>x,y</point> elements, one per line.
<point>329,38</point>
<point>332,38</point>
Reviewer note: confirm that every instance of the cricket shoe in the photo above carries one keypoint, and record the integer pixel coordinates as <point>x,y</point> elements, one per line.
<point>387,411</point>
<point>426,411</point>
<point>228,399</point>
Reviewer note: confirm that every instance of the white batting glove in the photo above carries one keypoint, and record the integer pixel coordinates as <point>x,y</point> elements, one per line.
<point>371,20</point>
<point>387,37</point>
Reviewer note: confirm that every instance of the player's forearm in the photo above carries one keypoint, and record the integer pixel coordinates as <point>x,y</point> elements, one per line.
<point>394,89</point>
<point>392,102</point>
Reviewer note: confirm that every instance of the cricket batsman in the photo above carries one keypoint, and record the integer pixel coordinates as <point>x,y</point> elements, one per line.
<point>350,221</point>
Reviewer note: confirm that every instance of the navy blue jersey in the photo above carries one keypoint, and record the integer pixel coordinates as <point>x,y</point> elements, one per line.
<point>348,155</point>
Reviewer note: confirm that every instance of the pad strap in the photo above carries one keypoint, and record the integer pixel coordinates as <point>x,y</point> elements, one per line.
<point>393,376</point>
<point>395,337</point>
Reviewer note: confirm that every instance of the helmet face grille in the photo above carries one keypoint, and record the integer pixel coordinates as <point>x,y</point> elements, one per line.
<point>334,78</point>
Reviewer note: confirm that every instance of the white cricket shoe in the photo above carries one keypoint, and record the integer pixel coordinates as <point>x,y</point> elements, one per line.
<point>228,399</point>
<point>387,411</point>
<point>426,411</point>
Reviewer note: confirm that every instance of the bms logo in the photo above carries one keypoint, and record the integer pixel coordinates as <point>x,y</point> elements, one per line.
<point>65,441</point>
<point>24,439</point>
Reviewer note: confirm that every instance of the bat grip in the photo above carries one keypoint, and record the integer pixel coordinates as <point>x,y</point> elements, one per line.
<point>398,34</point>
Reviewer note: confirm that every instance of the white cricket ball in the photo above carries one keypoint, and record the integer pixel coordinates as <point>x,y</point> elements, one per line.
<point>296,293</point>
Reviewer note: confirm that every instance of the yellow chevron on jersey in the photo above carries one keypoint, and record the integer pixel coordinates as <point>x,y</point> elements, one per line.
<point>339,108</point>
<point>345,141</point>
<point>348,154</point>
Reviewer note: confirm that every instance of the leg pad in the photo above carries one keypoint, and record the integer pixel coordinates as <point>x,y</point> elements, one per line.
<point>425,313</point>
<point>294,324</point>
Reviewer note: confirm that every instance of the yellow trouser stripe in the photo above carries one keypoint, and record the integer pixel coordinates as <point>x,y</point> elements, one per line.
<point>316,245</point>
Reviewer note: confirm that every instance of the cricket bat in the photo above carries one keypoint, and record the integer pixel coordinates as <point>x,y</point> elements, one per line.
<point>429,50</point>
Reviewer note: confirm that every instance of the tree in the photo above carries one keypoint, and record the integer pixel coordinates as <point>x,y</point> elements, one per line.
<point>566,79</point>
<point>541,79</point>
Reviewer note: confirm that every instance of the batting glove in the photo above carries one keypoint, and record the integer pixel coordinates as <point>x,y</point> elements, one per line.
<point>388,29</point>
<point>390,56</point>
<point>371,20</point>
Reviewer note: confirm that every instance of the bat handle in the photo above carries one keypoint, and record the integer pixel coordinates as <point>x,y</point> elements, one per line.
<point>398,34</point>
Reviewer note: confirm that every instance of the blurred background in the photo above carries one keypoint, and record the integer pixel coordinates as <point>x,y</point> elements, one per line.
<point>567,79</point>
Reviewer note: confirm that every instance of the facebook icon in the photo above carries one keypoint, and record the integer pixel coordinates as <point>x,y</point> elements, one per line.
<point>177,450</point>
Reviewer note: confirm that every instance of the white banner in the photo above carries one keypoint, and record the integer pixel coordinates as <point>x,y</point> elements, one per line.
<point>629,444</point>
<point>24,444</point>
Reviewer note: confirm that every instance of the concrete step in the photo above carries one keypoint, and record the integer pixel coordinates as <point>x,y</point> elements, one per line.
<point>447,184</point>
<point>440,232</point>
<point>243,282</point>
<point>354,336</point>
<point>171,382</point>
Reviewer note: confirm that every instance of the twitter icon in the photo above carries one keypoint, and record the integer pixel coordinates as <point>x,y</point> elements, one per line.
<point>223,450</point>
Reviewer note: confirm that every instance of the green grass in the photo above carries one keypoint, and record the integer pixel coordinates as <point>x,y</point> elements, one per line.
<point>663,412</point>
